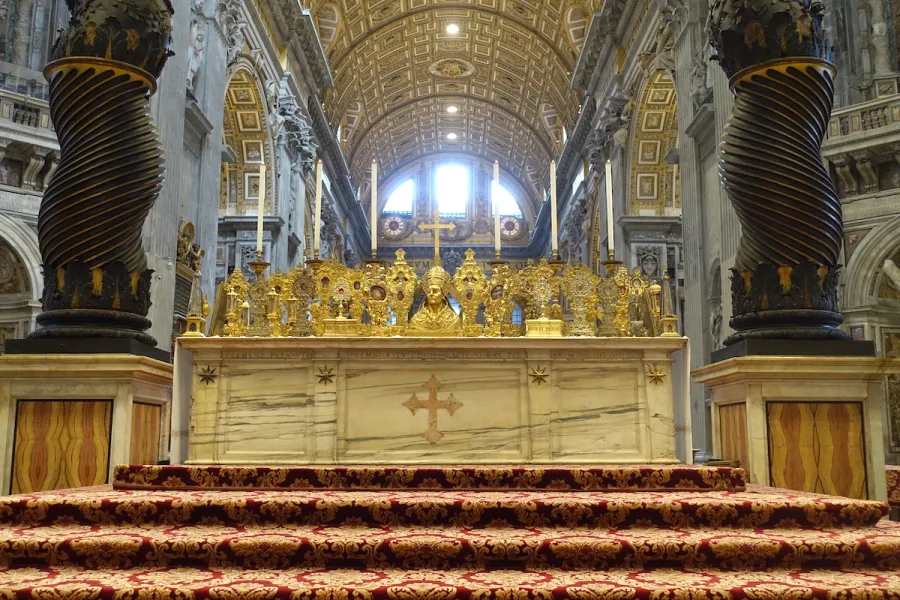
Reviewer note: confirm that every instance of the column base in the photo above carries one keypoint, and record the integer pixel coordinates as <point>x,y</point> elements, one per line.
<point>808,423</point>
<point>85,346</point>
<point>770,347</point>
<point>82,413</point>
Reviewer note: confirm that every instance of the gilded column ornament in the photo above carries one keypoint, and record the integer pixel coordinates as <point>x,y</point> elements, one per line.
<point>471,285</point>
<point>579,285</point>
<point>303,289</point>
<point>785,280</point>
<point>237,317</point>
<point>103,71</point>
<point>498,305</point>
<point>376,297</point>
<point>402,284</point>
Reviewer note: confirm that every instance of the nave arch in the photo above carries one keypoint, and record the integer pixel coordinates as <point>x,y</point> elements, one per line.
<point>246,132</point>
<point>653,184</point>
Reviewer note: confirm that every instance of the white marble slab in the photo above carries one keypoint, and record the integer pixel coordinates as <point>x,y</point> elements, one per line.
<point>345,401</point>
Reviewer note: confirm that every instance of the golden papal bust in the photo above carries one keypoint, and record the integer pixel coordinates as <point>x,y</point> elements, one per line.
<point>436,317</point>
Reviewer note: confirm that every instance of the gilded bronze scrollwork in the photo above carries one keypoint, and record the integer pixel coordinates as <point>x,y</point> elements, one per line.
<point>333,300</point>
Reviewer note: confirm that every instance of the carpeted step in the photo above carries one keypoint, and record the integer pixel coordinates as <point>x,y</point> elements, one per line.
<point>611,478</point>
<point>390,584</point>
<point>544,509</point>
<point>123,547</point>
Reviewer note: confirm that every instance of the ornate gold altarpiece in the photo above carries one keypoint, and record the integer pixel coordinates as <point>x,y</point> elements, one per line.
<point>329,364</point>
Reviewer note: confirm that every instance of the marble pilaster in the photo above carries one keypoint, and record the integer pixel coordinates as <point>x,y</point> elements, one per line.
<point>209,89</point>
<point>161,226</point>
<point>695,305</point>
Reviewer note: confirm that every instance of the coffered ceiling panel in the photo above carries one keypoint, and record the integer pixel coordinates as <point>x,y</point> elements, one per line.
<point>397,69</point>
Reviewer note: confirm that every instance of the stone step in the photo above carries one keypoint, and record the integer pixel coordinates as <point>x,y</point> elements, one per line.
<point>493,477</point>
<point>765,508</point>
<point>457,584</point>
<point>268,547</point>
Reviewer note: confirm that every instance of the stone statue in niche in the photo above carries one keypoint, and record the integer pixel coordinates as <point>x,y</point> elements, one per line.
<point>892,272</point>
<point>198,43</point>
<point>620,137</point>
<point>436,316</point>
<point>236,41</point>
<point>648,259</point>
<point>700,89</point>
<point>715,323</point>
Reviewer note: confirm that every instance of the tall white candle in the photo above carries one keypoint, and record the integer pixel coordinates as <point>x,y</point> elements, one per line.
<point>317,225</point>
<point>374,219</point>
<point>609,208</point>
<point>554,233</point>
<point>495,188</point>
<point>261,209</point>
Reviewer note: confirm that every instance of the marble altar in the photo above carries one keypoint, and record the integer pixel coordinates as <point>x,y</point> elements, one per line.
<point>296,400</point>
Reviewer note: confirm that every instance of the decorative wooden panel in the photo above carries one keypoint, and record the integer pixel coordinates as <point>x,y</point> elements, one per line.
<point>145,423</point>
<point>817,447</point>
<point>61,444</point>
<point>733,433</point>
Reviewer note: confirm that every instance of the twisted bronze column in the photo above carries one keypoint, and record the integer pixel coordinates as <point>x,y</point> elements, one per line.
<point>96,281</point>
<point>784,283</point>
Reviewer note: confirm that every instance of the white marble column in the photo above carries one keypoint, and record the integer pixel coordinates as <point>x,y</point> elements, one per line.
<point>282,206</point>
<point>21,42</point>
<point>881,53</point>
<point>161,227</point>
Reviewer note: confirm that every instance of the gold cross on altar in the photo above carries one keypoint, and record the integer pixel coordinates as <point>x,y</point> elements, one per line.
<point>436,229</point>
<point>433,404</point>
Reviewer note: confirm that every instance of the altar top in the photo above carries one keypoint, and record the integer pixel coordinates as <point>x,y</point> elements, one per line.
<point>664,344</point>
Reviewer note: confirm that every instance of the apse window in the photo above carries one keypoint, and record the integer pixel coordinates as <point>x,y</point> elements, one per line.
<point>452,182</point>
<point>506,203</point>
<point>401,200</point>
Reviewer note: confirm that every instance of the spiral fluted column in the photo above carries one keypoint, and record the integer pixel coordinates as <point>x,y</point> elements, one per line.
<point>785,280</point>
<point>110,170</point>
<point>771,165</point>
<point>96,281</point>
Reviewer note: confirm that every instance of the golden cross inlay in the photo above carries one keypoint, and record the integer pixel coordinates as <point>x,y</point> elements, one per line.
<point>436,229</point>
<point>433,405</point>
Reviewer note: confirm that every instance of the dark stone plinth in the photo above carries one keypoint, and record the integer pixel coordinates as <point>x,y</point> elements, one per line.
<point>85,346</point>
<point>769,347</point>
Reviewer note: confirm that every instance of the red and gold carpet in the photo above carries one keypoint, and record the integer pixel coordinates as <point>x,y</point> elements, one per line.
<point>370,533</point>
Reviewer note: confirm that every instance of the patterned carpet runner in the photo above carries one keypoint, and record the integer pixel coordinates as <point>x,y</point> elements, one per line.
<point>443,533</point>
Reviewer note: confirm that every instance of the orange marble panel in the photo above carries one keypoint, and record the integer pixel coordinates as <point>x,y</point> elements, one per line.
<point>61,444</point>
<point>733,433</point>
<point>817,447</point>
<point>145,423</point>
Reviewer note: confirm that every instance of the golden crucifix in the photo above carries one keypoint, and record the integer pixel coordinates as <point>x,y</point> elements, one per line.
<point>436,229</point>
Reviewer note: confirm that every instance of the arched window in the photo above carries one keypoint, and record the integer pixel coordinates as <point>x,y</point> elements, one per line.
<point>401,199</point>
<point>452,188</point>
<point>506,203</point>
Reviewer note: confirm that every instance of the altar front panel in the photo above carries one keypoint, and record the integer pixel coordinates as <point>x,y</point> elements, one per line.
<point>376,425</point>
<point>408,401</point>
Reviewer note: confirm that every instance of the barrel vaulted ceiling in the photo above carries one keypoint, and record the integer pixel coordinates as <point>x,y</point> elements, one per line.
<point>397,69</point>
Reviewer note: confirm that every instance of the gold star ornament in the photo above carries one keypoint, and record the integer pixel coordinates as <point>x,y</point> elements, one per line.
<point>539,375</point>
<point>325,375</point>
<point>208,375</point>
<point>656,375</point>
